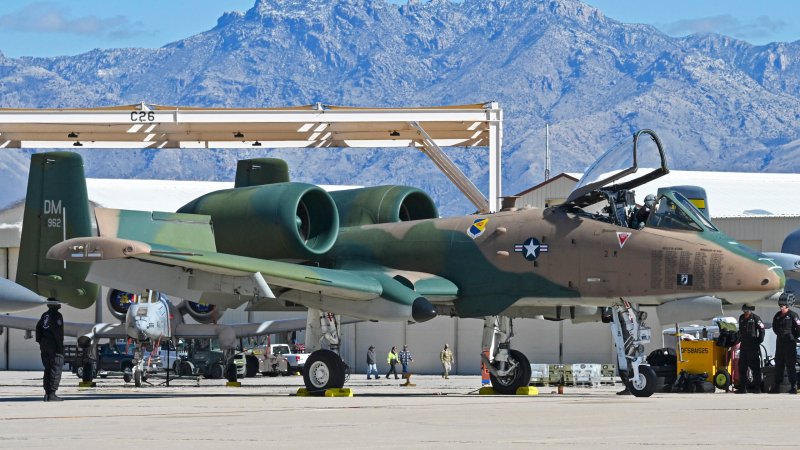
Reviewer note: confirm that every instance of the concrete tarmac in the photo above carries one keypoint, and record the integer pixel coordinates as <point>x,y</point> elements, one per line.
<point>437,413</point>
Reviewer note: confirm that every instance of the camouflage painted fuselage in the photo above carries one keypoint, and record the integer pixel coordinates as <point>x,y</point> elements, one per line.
<point>515,262</point>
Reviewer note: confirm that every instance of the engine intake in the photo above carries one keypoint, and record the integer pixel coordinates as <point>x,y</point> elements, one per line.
<point>200,312</point>
<point>119,302</point>
<point>383,204</point>
<point>293,221</point>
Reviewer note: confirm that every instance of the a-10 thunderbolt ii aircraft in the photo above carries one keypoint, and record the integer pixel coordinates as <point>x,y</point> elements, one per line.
<point>381,253</point>
<point>152,317</point>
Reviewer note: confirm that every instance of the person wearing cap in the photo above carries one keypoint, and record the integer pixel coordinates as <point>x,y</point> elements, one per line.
<point>50,336</point>
<point>405,359</point>
<point>372,366</point>
<point>446,357</point>
<point>751,335</point>
<point>786,325</point>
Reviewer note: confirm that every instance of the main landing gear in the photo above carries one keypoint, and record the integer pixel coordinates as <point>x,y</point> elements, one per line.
<point>508,369</point>
<point>324,369</point>
<point>630,334</point>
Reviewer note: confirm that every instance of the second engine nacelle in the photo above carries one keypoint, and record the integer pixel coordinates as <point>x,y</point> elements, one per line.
<point>383,204</point>
<point>200,312</point>
<point>293,221</point>
<point>119,302</point>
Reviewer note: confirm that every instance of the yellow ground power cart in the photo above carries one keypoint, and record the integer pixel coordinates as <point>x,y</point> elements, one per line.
<point>705,356</point>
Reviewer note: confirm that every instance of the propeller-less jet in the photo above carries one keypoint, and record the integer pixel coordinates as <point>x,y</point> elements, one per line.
<point>382,253</point>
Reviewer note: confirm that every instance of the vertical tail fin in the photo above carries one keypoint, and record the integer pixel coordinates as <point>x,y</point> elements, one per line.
<point>56,209</point>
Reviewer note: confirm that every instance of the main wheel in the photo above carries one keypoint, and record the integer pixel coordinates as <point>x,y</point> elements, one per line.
<point>230,372</point>
<point>722,380</point>
<point>518,377</point>
<point>87,372</point>
<point>324,370</point>
<point>645,384</point>
<point>127,376</point>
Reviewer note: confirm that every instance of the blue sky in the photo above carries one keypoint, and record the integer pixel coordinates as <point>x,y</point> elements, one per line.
<point>69,27</point>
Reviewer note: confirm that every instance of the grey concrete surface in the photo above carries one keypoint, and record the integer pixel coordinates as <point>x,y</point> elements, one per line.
<point>436,413</point>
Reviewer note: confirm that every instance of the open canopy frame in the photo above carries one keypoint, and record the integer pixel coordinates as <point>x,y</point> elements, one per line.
<point>157,126</point>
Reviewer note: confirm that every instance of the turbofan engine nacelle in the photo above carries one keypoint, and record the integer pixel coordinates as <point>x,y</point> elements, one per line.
<point>382,204</point>
<point>291,221</point>
<point>119,302</point>
<point>200,312</point>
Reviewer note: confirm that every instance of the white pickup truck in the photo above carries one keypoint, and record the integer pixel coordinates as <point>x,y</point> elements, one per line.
<point>296,361</point>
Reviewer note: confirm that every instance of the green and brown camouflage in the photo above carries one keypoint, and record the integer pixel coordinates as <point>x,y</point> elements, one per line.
<point>56,209</point>
<point>382,254</point>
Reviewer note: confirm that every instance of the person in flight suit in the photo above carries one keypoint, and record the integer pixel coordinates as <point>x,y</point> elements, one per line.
<point>786,326</point>
<point>751,335</point>
<point>50,336</point>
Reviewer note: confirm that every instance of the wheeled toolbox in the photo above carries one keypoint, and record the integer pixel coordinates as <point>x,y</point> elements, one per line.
<point>705,356</point>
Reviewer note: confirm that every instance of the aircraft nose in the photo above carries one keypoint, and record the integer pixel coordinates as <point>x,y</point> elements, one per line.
<point>422,310</point>
<point>14,297</point>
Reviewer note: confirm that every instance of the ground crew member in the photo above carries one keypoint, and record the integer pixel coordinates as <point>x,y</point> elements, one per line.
<point>446,357</point>
<point>405,359</point>
<point>751,335</point>
<point>786,326</point>
<point>392,360</point>
<point>50,336</point>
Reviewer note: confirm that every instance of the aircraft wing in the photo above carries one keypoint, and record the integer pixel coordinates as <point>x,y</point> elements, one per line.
<point>75,329</point>
<point>189,273</point>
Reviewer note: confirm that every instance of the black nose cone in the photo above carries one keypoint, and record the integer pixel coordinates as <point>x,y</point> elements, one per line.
<point>422,310</point>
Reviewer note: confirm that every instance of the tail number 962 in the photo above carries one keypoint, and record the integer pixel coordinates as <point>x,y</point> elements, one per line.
<point>54,222</point>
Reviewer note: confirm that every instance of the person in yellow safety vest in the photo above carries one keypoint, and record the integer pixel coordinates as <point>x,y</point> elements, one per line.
<point>392,360</point>
<point>446,357</point>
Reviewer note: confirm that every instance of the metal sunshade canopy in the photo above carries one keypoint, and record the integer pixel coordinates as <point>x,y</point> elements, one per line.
<point>312,126</point>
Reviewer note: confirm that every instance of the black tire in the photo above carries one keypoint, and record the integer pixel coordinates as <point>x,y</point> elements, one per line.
<point>127,376</point>
<point>722,379</point>
<point>185,368</point>
<point>217,371</point>
<point>251,367</point>
<point>230,372</point>
<point>520,377</point>
<point>137,378</point>
<point>270,374</point>
<point>324,370</point>
<point>87,372</point>
<point>645,385</point>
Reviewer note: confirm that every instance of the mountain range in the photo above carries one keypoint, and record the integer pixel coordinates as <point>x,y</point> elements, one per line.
<point>717,103</point>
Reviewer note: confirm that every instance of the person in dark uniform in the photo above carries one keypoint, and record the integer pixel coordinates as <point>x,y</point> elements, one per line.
<point>786,326</point>
<point>642,213</point>
<point>50,336</point>
<point>751,335</point>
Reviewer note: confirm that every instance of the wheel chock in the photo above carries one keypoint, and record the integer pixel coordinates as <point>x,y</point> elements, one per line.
<point>522,390</point>
<point>233,384</point>
<point>303,392</point>
<point>527,390</point>
<point>87,384</point>
<point>408,383</point>
<point>339,392</point>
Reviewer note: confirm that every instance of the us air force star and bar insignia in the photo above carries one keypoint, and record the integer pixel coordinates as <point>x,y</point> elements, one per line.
<point>477,228</point>
<point>531,249</point>
<point>622,238</point>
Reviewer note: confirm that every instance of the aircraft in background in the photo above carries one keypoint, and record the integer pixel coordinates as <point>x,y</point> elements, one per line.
<point>381,253</point>
<point>154,319</point>
<point>14,298</point>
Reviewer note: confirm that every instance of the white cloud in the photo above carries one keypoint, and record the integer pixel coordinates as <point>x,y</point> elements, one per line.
<point>759,27</point>
<point>48,17</point>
